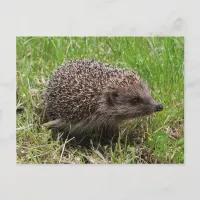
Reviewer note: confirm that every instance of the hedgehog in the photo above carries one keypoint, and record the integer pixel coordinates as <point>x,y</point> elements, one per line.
<point>85,97</point>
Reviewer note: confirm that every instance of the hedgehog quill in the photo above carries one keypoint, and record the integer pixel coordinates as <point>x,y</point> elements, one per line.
<point>87,96</point>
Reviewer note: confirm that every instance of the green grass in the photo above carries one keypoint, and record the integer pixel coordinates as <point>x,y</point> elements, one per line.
<point>159,60</point>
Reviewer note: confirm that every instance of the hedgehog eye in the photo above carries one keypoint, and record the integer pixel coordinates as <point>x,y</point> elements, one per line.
<point>135,100</point>
<point>114,94</point>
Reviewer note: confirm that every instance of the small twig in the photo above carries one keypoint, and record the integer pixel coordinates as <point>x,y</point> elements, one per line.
<point>111,47</point>
<point>66,141</point>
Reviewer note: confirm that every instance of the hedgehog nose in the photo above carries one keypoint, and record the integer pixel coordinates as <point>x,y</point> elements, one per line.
<point>159,107</point>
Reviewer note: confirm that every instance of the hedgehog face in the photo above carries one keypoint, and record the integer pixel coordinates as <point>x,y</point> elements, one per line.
<point>131,103</point>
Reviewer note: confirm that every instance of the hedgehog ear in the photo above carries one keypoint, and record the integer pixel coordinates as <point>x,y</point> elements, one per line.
<point>111,97</point>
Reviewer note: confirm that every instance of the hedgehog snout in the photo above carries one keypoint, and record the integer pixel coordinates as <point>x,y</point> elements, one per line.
<point>159,107</point>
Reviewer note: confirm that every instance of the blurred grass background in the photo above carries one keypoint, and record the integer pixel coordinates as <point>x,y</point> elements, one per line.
<point>159,60</point>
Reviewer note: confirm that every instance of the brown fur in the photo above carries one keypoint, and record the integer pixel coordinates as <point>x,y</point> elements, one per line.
<point>89,96</point>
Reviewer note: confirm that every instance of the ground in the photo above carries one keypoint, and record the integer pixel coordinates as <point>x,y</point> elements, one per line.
<point>158,138</point>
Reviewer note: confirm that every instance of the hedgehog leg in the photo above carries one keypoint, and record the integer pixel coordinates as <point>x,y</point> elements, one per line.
<point>59,127</point>
<point>80,131</point>
<point>94,126</point>
<point>109,133</point>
